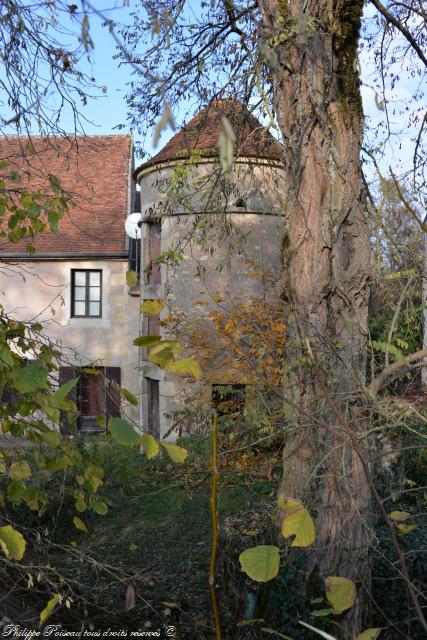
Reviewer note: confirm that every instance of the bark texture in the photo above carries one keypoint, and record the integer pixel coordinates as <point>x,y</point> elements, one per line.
<point>326,266</point>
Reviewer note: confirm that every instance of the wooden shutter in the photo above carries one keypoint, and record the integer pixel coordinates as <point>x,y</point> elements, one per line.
<point>66,374</point>
<point>113,380</point>
<point>154,244</point>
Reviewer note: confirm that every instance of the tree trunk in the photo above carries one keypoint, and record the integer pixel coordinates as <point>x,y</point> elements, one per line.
<point>424,368</point>
<point>326,264</point>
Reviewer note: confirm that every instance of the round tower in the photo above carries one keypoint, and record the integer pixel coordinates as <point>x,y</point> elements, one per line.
<point>211,204</point>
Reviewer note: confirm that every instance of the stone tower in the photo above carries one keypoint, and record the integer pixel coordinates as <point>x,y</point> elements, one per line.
<point>211,242</point>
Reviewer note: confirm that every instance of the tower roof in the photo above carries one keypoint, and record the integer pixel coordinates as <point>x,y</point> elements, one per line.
<point>202,133</point>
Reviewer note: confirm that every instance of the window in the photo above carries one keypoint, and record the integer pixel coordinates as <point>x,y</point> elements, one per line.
<point>86,293</point>
<point>228,399</point>
<point>94,395</point>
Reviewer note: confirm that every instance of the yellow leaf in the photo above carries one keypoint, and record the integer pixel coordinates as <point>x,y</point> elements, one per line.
<point>370,634</point>
<point>186,367</point>
<point>405,528</point>
<point>297,522</point>
<point>150,445</point>
<point>20,470</point>
<point>152,307</point>
<point>399,516</point>
<point>49,608</point>
<point>80,525</point>
<point>12,542</point>
<point>162,354</point>
<point>176,454</point>
<point>131,279</point>
<point>260,563</point>
<point>340,593</point>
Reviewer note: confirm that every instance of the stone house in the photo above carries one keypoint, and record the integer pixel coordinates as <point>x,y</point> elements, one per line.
<point>206,229</point>
<point>75,282</point>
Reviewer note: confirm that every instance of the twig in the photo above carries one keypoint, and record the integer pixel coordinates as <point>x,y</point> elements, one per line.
<point>214,520</point>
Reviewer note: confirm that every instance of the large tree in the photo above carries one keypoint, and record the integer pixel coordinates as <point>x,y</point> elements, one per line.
<point>296,63</point>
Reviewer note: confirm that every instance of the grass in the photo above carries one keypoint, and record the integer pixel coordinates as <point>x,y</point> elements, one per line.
<point>155,539</point>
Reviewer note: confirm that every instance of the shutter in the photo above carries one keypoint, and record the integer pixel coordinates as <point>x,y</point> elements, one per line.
<point>66,374</point>
<point>112,387</point>
<point>92,401</point>
<point>154,243</point>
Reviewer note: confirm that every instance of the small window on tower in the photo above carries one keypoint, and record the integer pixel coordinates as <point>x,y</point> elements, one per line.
<point>228,399</point>
<point>240,203</point>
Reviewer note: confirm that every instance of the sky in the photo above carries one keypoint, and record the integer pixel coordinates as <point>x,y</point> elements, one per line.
<point>108,110</point>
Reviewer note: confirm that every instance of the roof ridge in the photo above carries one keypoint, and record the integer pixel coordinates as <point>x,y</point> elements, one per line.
<point>67,136</point>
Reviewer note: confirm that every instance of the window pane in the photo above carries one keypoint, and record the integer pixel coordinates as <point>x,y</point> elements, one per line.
<point>79,278</point>
<point>79,293</point>
<point>79,308</point>
<point>95,293</point>
<point>95,278</point>
<point>94,308</point>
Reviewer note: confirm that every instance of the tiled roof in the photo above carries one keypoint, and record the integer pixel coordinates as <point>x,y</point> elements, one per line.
<point>95,172</point>
<point>203,131</point>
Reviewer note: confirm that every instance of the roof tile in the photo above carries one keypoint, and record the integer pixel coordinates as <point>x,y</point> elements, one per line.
<point>203,131</point>
<point>94,172</point>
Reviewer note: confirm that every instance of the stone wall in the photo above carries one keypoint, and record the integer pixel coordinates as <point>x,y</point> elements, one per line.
<point>225,230</point>
<point>40,291</point>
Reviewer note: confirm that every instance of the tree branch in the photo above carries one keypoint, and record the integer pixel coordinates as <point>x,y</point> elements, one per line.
<point>378,382</point>
<point>403,30</point>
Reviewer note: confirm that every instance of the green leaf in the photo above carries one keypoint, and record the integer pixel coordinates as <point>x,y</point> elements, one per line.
<point>81,504</point>
<point>370,634</point>
<point>297,522</point>
<point>31,378</point>
<point>131,279</point>
<point>260,563</point>
<point>146,341</point>
<point>52,438</point>
<point>152,307</point>
<point>20,470</point>
<point>15,492</point>
<point>54,182</point>
<point>80,525</point>
<point>129,397</point>
<point>12,542</point>
<point>320,613</point>
<point>186,367</point>
<point>176,453</point>
<point>91,371</point>
<point>49,608</point>
<point>101,421</point>
<point>99,506</point>
<point>123,432</point>
<point>340,593</point>
<point>150,445</point>
<point>6,355</point>
<point>61,393</point>
<point>93,477</point>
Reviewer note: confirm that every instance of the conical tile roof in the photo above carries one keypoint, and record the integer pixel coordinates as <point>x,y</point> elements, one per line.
<point>203,131</point>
